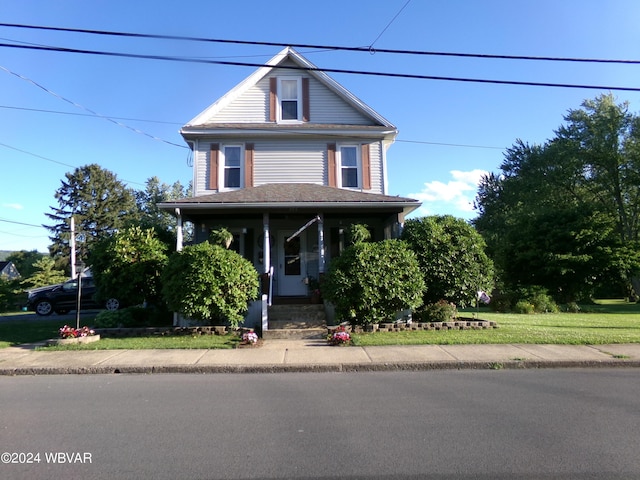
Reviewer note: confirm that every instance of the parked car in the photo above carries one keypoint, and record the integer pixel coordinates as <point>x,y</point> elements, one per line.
<point>63,298</point>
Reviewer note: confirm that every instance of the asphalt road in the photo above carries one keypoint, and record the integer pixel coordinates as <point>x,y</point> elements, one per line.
<point>470,424</point>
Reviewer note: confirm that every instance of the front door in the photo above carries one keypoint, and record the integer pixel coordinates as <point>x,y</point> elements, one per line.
<point>291,265</point>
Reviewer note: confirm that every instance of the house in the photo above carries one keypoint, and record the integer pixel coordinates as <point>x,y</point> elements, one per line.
<point>8,271</point>
<point>287,160</point>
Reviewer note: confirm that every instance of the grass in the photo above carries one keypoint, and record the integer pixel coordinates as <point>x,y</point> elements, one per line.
<point>606,322</point>
<point>16,332</point>
<point>142,343</point>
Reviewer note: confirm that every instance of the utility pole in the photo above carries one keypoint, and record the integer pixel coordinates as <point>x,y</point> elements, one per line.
<point>72,246</point>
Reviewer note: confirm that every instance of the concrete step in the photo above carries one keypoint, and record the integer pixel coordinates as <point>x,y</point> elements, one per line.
<point>297,313</point>
<point>296,321</point>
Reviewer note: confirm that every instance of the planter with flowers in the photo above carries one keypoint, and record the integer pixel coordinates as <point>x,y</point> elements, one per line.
<point>248,338</point>
<point>339,336</point>
<point>71,336</point>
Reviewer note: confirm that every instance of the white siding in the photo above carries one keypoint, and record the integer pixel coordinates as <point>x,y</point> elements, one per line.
<point>290,161</point>
<point>286,161</point>
<point>201,167</point>
<point>375,160</point>
<point>251,107</point>
<point>327,107</point>
<point>324,105</point>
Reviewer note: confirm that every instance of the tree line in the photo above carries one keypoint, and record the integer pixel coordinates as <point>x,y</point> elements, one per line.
<point>564,216</point>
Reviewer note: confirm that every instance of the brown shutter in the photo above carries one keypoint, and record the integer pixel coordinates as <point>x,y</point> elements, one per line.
<point>366,168</point>
<point>213,166</point>
<point>305,99</point>
<point>273,98</point>
<point>248,165</point>
<point>331,164</point>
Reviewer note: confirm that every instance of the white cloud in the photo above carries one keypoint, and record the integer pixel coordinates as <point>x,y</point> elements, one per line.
<point>454,197</point>
<point>14,206</point>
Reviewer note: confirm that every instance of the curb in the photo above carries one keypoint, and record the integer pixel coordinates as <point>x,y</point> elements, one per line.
<point>322,368</point>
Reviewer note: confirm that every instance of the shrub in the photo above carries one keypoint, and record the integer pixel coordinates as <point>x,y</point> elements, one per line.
<point>127,266</point>
<point>370,282</point>
<point>543,303</point>
<point>11,296</point>
<point>452,258</point>
<point>133,317</point>
<point>442,311</point>
<point>573,307</point>
<point>523,306</point>
<point>209,283</point>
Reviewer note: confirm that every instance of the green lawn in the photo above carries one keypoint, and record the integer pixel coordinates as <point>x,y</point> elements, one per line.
<point>140,343</point>
<point>17,332</point>
<point>606,322</point>
<point>32,331</point>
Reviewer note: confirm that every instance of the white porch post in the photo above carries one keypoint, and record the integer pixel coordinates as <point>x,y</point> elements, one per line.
<point>178,230</point>
<point>267,243</point>
<point>321,260</point>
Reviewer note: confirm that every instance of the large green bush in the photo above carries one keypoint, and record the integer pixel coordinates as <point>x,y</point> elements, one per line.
<point>128,265</point>
<point>371,282</point>
<point>452,258</point>
<point>209,283</point>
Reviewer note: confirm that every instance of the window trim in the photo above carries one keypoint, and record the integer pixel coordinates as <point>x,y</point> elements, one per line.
<point>358,166</point>
<point>299,99</point>
<point>222,166</point>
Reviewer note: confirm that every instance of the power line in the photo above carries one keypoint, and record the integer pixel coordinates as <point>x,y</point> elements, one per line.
<point>422,142</point>
<point>21,223</point>
<point>96,114</point>
<point>52,160</point>
<point>388,25</point>
<point>58,112</point>
<point>317,69</point>
<point>321,47</point>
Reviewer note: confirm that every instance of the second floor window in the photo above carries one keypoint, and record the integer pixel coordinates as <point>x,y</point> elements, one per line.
<point>232,166</point>
<point>349,167</point>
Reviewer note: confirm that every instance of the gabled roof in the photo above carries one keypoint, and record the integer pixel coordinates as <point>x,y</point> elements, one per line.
<point>9,270</point>
<point>277,62</point>
<point>292,195</point>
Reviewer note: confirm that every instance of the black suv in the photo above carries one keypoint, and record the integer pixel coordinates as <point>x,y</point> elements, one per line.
<point>63,298</point>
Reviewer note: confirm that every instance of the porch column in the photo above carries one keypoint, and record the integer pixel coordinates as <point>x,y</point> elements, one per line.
<point>321,260</point>
<point>178,230</point>
<point>267,243</point>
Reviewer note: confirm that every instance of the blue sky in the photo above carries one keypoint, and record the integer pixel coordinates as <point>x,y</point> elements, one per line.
<point>450,132</point>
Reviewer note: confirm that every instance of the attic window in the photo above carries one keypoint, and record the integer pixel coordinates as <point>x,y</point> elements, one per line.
<point>289,99</point>
<point>289,95</point>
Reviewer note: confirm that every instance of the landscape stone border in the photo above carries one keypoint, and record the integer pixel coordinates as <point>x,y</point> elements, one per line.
<point>458,324</point>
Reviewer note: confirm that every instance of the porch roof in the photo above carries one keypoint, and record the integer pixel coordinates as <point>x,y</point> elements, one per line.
<point>285,196</point>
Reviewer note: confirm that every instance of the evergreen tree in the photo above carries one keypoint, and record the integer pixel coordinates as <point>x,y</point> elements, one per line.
<point>100,204</point>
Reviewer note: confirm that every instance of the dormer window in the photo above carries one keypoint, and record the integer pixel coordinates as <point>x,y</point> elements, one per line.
<point>289,99</point>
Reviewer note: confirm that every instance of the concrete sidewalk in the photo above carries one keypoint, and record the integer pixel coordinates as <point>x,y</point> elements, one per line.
<point>314,356</point>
